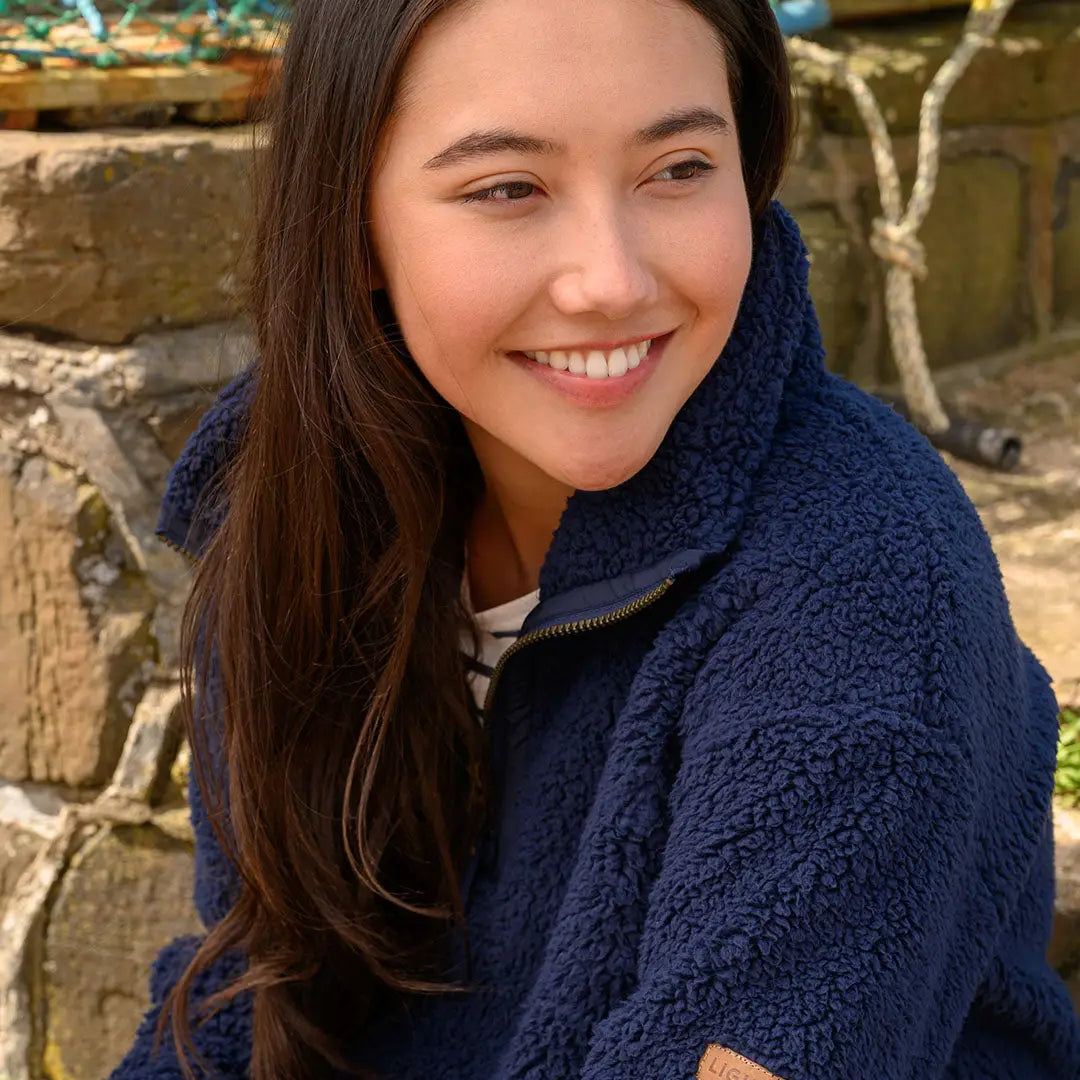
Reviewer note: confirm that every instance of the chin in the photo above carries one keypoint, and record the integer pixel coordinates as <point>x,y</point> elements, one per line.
<point>602,474</point>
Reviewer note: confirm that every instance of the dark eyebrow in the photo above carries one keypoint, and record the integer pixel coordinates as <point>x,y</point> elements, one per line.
<point>479,144</point>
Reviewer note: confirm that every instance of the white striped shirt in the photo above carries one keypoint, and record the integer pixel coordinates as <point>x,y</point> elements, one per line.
<point>499,628</point>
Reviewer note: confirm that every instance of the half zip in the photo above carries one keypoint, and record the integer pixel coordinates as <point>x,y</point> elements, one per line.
<point>574,627</point>
<point>486,848</point>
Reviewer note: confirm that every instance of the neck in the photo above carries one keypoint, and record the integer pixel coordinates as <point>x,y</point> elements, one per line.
<point>512,528</point>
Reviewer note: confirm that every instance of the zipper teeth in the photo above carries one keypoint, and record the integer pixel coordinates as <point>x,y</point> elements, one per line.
<point>562,629</point>
<point>177,547</point>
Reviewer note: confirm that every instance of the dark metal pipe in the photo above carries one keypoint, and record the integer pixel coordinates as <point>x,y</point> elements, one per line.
<point>997,448</point>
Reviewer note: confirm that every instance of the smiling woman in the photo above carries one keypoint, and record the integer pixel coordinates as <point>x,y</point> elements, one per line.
<point>513,214</point>
<point>582,682</point>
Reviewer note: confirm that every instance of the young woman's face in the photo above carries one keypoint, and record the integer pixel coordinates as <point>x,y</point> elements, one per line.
<point>564,178</point>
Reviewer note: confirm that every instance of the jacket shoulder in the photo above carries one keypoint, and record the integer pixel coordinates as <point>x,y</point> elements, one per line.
<point>863,567</point>
<point>855,451</point>
<point>849,475</point>
<point>190,508</point>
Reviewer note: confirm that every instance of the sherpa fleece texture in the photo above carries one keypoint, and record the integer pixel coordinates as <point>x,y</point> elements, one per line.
<point>798,806</point>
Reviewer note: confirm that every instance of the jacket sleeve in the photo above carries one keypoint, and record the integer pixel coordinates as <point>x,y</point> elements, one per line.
<point>821,911</point>
<point>224,1041</point>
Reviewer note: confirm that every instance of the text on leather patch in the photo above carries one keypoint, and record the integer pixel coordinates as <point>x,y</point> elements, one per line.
<point>720,1063</point>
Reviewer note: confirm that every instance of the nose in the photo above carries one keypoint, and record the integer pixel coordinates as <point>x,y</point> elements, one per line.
<point>602,269</point>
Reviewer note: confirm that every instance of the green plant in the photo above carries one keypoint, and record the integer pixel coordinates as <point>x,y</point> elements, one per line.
<point>1067,779</point>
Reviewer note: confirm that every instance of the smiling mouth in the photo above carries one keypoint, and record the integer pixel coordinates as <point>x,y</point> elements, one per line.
<point>594,363</point>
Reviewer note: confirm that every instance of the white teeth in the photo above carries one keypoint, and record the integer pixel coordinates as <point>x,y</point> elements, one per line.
<point>595,365</point>
<point>618,363</point>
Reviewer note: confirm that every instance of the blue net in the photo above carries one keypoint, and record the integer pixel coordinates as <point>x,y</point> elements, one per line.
<point>36,34</point>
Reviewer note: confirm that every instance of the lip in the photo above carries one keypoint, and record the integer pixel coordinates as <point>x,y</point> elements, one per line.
<point>598,393</point>
<point>599,346</point>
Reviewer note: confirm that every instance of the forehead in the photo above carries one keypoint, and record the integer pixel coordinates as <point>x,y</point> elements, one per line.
<point>586,64</point>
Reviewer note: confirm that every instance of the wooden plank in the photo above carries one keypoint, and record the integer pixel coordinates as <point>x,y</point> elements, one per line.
<point>234,79</point>
<point>147,75</point>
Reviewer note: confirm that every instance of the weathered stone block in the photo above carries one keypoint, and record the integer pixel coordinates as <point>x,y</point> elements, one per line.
<point>153,366</point>
<point>28,819</point>
<point>75,621</point>
<point>35,838</point>
<point>126,894</point>
<point>972,304</point>
<point>143,771</point>
<point>168,378</point>
<point>1027,75</point>
<point>104,235</point>
<point>976,299</point>
<point>837,285</point>
<point>18,846</point>
<point>121,415</point>
<point>165,364</point>
<point>1067,245</point>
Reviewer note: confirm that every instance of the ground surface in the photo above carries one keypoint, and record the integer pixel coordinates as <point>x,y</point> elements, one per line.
<point>1033,513</point>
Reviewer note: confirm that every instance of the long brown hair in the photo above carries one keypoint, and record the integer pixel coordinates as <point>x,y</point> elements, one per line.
<point>352,767</point>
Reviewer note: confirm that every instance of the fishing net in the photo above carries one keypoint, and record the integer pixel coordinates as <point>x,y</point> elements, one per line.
<point>36,34</point>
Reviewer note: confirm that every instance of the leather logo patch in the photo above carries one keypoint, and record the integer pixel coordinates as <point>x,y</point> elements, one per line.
<point>720,1063</point>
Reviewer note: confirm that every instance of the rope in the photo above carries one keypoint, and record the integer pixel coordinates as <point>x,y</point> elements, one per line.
<point>894,238</point>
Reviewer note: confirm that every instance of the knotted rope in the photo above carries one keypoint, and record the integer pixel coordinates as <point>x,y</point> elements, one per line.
<point>894,238</point>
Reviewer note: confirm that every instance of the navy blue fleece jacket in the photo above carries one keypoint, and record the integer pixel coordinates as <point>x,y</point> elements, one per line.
<point>774,773</point>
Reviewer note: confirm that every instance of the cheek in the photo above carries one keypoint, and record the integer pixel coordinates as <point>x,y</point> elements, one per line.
<point>453,302</point>
<point>451,293</point>
<point>713,265</point>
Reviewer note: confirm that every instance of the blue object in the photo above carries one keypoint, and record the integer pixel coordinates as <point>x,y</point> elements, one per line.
<point>797,806</point>
<point>801,16</point>
<point>90,13</point>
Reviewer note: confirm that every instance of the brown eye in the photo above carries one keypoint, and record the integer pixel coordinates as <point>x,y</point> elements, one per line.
<point>698,167</point>
<point>513,189</point>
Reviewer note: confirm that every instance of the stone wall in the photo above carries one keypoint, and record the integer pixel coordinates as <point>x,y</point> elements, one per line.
<point>104,235</point>
<point>121,254</point>
<point>1003,235</point>
<point>89,702</point>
